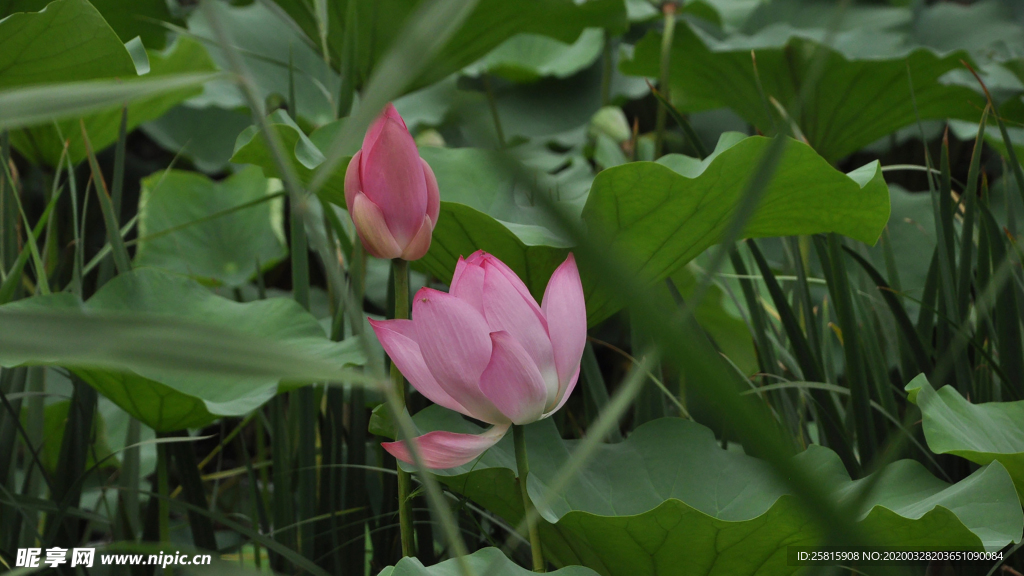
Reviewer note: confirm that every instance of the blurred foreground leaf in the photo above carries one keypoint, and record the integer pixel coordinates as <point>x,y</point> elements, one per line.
<point>92,78</point>
<point>169,352</point>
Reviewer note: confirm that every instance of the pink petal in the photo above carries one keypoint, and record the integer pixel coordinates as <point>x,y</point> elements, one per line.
<point>565,396</point>
<point>372,228</point>
<point>392,176</point>
<point>507,310</point>
<point>456,347</point>
<point>391,112</point>
<point>420,243</point>
<point>398,339</point>
<point>468,284</point>
<point>447,449</point>
<point>353,185</point>
<point>373,132</point>
<point>465,264</point>
<point>566,313</point>
<point>433,192</point>
<point>513,382</point>
<point>488,260</point>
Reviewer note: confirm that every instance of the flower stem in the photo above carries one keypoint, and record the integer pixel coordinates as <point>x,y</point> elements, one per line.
<point>669,10</point>
<point>523,468</point>
<point>163,506</point>
<point>492,102</point>
<point>400,269</point>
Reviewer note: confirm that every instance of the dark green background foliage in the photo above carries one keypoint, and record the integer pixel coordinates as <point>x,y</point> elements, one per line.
<point>798,225</point>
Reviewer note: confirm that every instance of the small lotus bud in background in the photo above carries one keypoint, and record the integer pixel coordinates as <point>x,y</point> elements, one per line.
<point>611,122</point>
<point>391,192</point>
<point>431,138</point>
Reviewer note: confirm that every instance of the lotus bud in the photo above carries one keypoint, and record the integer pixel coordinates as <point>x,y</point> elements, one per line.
<point>391,192</point>
<point>611,122</point>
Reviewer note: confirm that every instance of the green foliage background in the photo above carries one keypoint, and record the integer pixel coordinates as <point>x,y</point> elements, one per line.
<point>797,225</point>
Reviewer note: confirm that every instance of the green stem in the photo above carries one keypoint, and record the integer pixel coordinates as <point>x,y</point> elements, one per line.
<point>669,10</point>
<point>606,70</point>
<point>523,469</point>
<point>128,520</point>
<point>401,272</point>
<point>492,101</point>
<point>163,487</point>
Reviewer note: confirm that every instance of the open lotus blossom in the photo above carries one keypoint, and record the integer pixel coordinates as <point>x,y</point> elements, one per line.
<point>487,350</point>
<point>391,192</point>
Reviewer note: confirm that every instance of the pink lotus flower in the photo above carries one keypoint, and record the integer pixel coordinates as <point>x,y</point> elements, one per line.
<point>391,192</point>
<point>487,350</point>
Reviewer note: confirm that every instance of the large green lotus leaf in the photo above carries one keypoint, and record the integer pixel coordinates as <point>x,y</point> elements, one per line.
<point>530,57</point>
<point>166,399</point>
<point>550,109</point>
<point>662,215</point>
<point>724,324</point>
<point>193,225</point>
<point>489,561</point>
<point>486,205</point>
<point>204,135</point>
<point>981,433</point>
<point>139,18</point>
<point>809,14</point>
<point>380,21</point>
<point>912,234</point>
<point>855,101</point>
<point>988,29</point>
<point>69,41</point>
<point>669,500</point>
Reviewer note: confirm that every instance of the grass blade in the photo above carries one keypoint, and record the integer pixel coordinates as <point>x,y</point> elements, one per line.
<point>857,379</point>
<point>9,286</point>
<point>71,465</point>
<point>830,422</point>
<point>691,135</point>
<point>1009,343</point>
<point>184,456</point>
<point>283,503</point>
<point>121,259</point>
<point>595,387</point>
<point>758,319</point>
<point>8,211</point>
<point>919,350</point>
<point>967,230</point>
<point>117,186</point>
